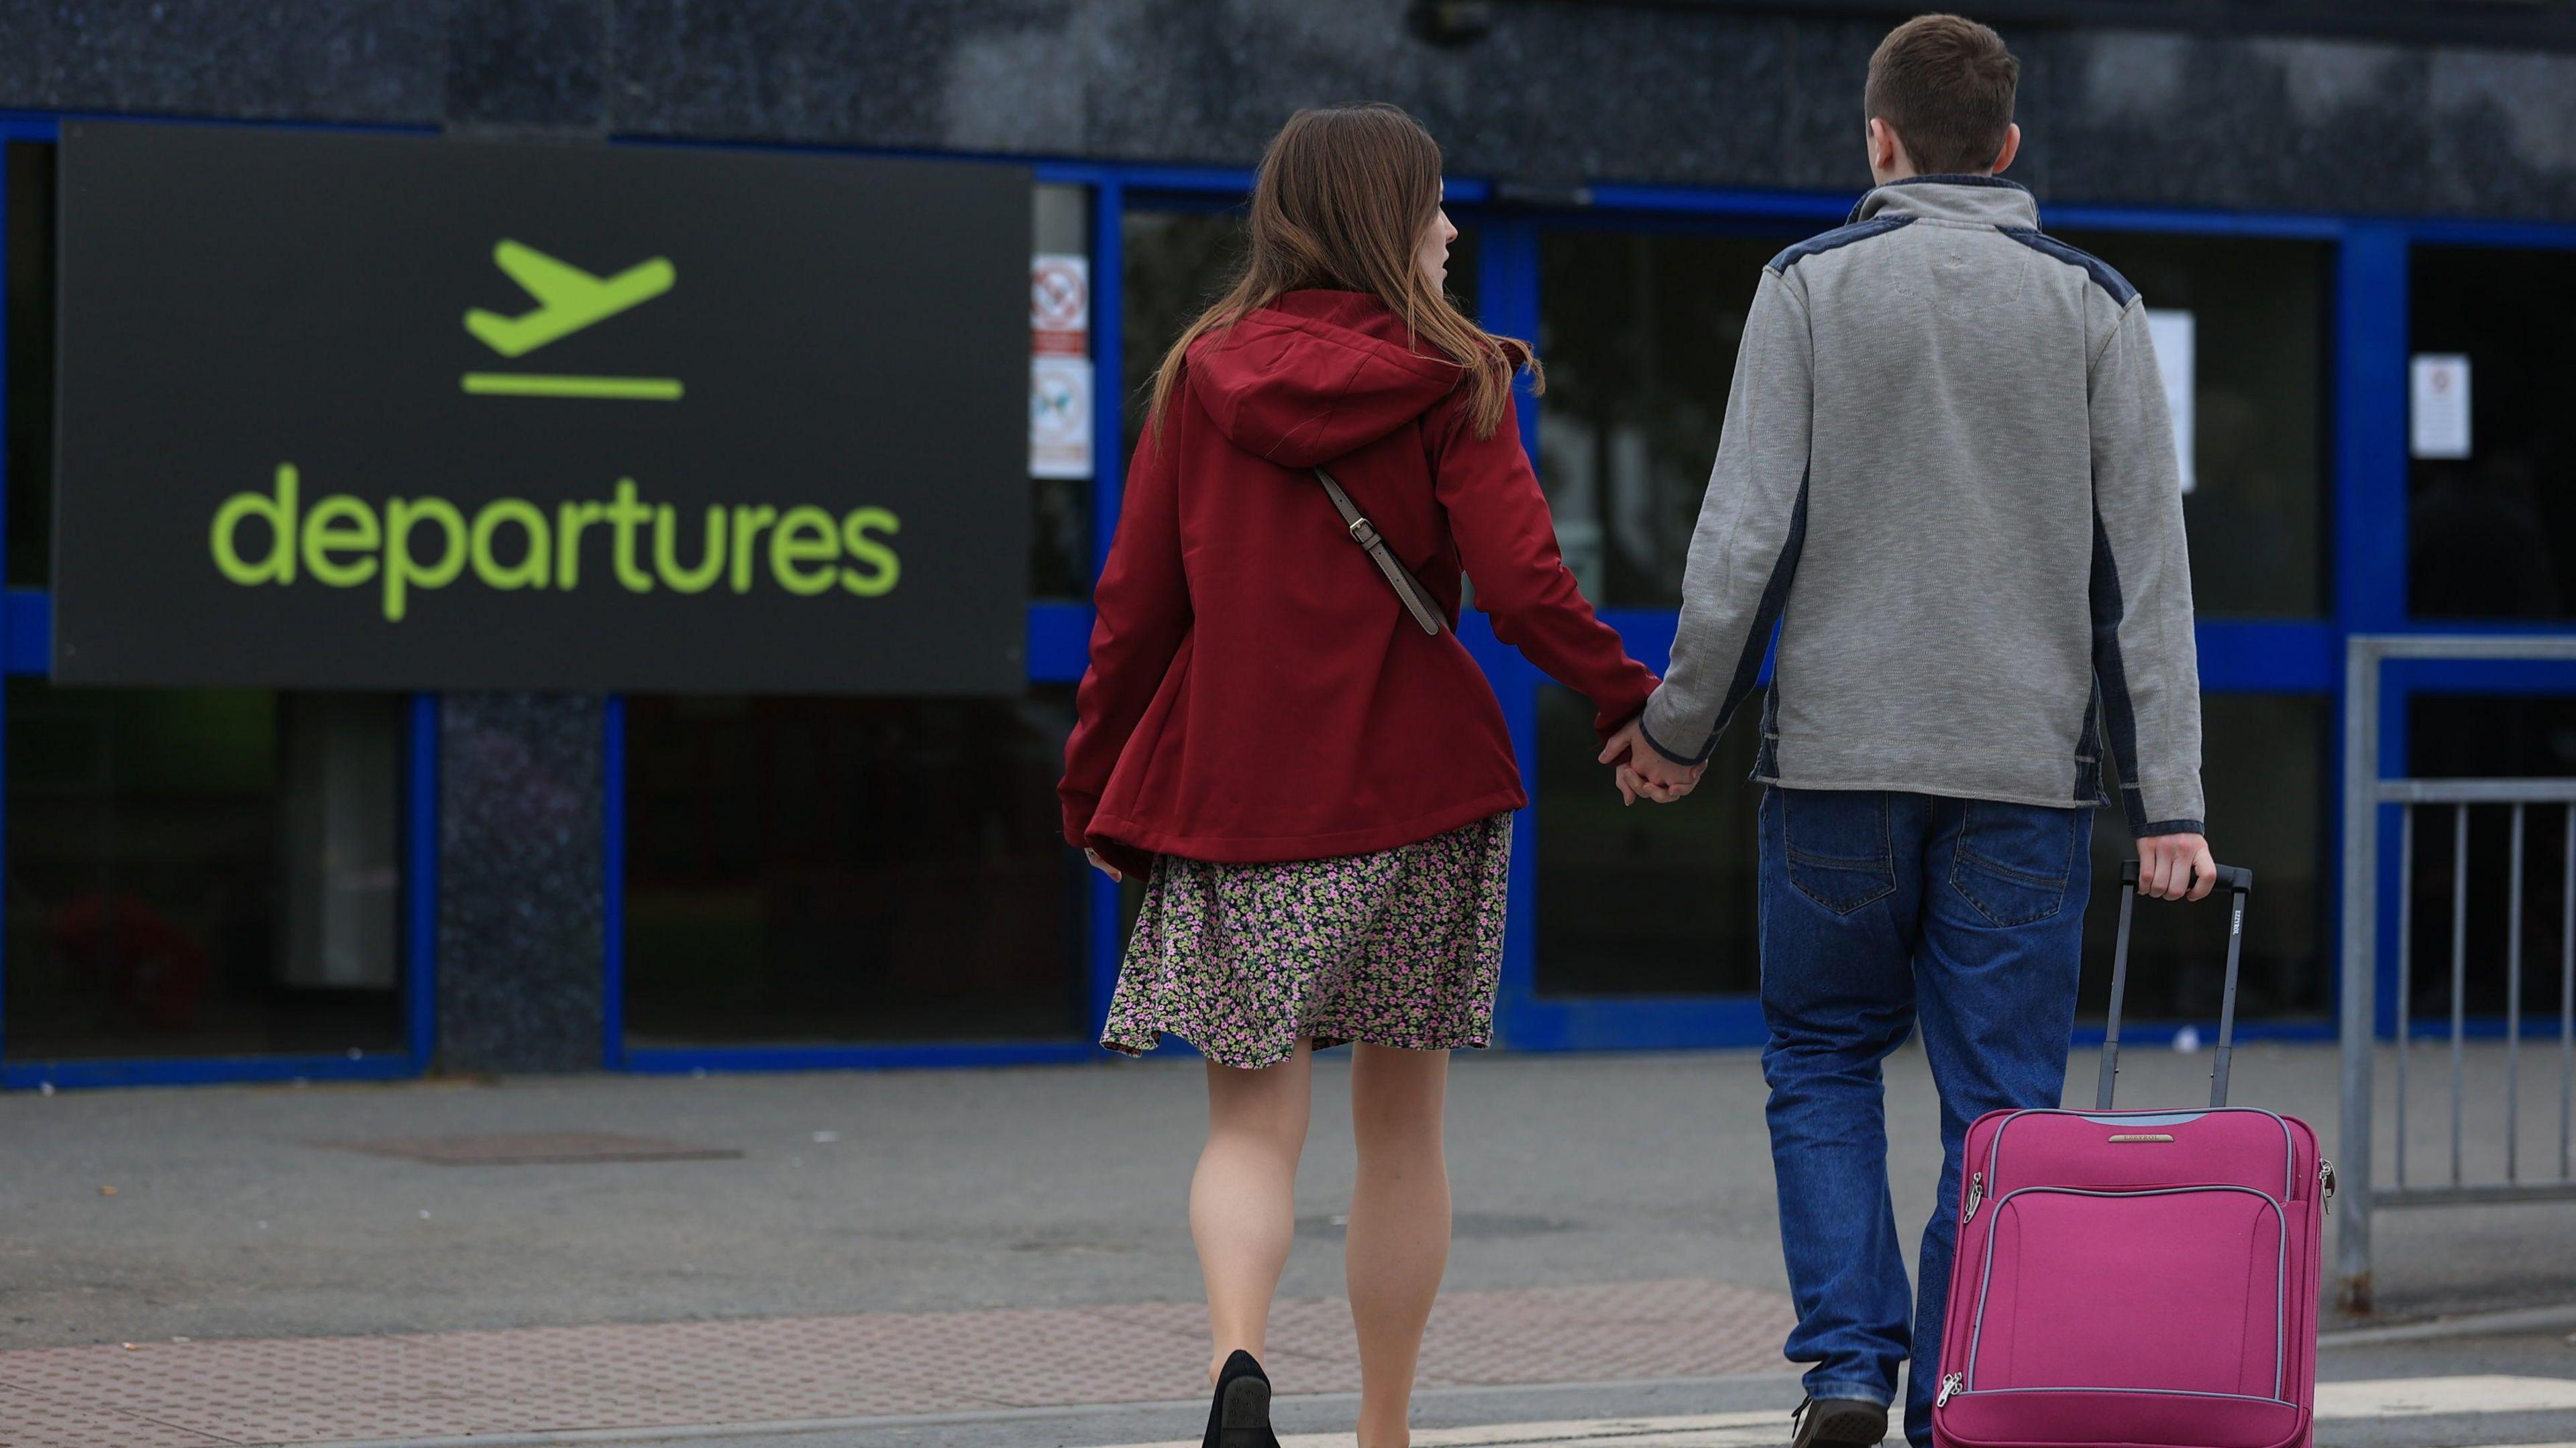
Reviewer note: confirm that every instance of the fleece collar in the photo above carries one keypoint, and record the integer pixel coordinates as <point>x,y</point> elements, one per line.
<point>1977,200</point>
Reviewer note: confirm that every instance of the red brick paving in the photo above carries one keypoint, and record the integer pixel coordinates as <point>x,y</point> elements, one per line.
<point>526,1380</point>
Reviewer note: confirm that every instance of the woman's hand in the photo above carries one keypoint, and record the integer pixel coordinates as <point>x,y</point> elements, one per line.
<point>1103,866</point>
<point>1641,773</point>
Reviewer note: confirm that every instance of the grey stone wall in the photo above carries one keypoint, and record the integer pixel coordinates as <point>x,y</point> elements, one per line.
<point>520,883</point>
<point>1556,92</point>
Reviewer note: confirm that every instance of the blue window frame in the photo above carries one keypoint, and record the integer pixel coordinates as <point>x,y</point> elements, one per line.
<point>2366,485</point>
<point>2367,559</point>
<point>26,649</point>
<point>2373,465</point>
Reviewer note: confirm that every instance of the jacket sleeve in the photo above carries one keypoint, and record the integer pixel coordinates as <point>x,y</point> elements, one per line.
<point>1141,612</point>
<point>1507,542</point>
<point>1752,522</point>
<point>2146,665</point>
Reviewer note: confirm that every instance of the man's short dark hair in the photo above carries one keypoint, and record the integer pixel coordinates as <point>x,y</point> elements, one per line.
<point>1945,84</point>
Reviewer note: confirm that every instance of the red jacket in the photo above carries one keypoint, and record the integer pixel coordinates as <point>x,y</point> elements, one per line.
<point>1256,689</point>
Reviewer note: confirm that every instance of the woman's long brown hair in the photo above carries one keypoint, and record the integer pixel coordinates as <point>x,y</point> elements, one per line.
<point>1343,200</point>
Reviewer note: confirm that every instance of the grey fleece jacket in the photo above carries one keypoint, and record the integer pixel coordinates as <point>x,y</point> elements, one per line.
<point>1948,477</point>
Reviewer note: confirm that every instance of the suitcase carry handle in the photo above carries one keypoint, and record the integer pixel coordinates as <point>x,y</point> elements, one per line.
<point>2238,884</point>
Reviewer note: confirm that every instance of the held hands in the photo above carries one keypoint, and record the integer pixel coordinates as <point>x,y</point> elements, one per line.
<point>1643,772</point>
<point>2176,867</point>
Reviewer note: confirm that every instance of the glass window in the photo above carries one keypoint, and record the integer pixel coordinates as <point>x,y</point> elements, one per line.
<point>1660,899</point>
<point>850,870</point>
<point>1180,261</point>
<point>2493,535</point>
<point>202,872</point>
<point>1638,332</point>
<point>30,399</point>
<point>2453,736</point>
<point>1647,898</point>
<point>2265,769</point>
<point>1060,532</point>
<point>1177,263</point>
<point>2256,513</point>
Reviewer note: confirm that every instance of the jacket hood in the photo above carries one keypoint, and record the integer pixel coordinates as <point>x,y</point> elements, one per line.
<point>1314,375</point>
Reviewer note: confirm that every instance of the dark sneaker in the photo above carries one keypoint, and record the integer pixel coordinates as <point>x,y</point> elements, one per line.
<point>1839,1423</point>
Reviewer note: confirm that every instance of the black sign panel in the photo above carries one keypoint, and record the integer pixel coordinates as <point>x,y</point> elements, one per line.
<point>373,412</point>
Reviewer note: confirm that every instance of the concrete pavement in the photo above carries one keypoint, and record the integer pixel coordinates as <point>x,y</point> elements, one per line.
<point>880,1236</point>
<point>235,1214</point>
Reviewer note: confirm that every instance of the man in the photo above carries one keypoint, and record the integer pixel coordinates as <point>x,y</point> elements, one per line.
<point>1948,477</point>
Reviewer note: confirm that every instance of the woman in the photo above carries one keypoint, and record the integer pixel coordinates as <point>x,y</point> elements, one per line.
<point>1320,788</point>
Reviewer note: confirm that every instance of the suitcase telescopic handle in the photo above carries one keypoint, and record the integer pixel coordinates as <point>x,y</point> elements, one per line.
<point>2238,884</point>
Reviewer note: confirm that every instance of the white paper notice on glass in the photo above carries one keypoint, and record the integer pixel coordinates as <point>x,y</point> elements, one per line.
<point>2176,338</point>
<point>2441,406</point>
<point>1059,417</point>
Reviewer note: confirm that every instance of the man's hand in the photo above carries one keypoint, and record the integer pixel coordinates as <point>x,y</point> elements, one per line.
<point>1103,866</point>
<point>2176,867</point>
<point>1643,770</point>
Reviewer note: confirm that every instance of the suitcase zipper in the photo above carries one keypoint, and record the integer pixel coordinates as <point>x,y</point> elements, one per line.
<point>1976,1194</point>
<point>2280,1328</point>
<point>1949,1385</point>
<point>2289,1173</point>
<point>2326,1181</point>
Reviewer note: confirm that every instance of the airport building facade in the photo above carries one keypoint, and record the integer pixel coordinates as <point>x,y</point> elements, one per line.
<point>669,672</point>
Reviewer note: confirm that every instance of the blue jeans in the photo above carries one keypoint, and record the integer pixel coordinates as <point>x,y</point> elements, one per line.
<point>1881,912</point>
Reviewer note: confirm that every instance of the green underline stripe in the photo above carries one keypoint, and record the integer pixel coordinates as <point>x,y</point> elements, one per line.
<point>539,384</point>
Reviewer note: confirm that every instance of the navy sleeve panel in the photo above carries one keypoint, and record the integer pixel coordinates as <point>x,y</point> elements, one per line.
<point>1840,236</point>
<point>1766,619</point>
<point>2145,656</point>
<point>2099,270</point>
<point>2110,679</point>
<point>2111,676</point>
<point>1751,528</point>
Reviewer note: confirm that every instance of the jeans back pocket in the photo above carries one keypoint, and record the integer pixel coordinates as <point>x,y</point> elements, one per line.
<point>2013,860</point>
<point>1840,854</point>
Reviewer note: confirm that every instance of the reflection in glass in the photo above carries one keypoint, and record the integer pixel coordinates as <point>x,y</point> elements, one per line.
<point>1060,518</point>
<point>1638,331</point>
<point>202,872</point>
<point>2256,515</point>
<point>2493,535</point>
<point>1660,899</point>
<point>2265,763</point>
<point>1646,898</point>
<point>849,870</point>
<point>1178,262</point>
<point>30,293</point>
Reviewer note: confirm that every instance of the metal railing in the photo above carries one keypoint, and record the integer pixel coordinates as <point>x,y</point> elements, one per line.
<point>2366,794</point>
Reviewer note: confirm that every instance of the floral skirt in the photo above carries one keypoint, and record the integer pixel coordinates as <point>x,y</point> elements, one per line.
<point>1398,948</point>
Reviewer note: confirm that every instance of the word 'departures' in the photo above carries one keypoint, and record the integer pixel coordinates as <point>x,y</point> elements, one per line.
<point>343,541</point>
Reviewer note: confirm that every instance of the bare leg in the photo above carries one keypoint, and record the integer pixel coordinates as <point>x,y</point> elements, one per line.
<point>1243,1203</point>
<point>1399,1234</point>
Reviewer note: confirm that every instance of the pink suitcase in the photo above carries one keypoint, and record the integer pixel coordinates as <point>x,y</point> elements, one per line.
<point>2137,1277</point>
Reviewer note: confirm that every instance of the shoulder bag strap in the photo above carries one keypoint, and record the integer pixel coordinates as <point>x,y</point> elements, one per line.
<point>1416,601</point>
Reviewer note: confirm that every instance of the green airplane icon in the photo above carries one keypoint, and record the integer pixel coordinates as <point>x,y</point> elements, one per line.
<point>572,298</point>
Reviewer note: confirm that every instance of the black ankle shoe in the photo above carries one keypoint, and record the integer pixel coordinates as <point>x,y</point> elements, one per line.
<point>1240,1416</point>
<point>1839,1423</point>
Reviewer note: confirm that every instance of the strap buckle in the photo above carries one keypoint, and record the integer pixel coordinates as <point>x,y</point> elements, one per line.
<point>1363,533</point>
